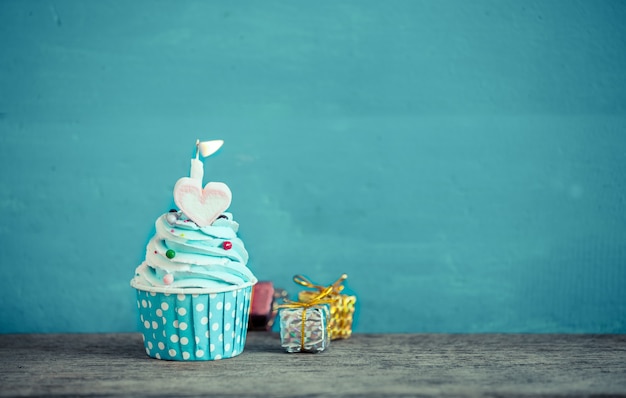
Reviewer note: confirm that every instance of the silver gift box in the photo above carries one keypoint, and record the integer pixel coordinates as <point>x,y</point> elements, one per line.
<point>310,336</point>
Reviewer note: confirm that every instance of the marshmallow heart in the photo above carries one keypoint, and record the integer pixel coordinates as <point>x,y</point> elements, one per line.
<point>202,206</point>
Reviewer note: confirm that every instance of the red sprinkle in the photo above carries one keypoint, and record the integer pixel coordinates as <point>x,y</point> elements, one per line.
<point>227,245</point>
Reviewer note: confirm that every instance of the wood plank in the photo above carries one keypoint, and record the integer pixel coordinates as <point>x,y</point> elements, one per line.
<point>364,365</point>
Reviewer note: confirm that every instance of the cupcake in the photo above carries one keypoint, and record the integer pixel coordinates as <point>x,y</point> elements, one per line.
<point>194,288</point>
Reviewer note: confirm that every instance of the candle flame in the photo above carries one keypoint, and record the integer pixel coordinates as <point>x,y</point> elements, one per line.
<point>208,148</point>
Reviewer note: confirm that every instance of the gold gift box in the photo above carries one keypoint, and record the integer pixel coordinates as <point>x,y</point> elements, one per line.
<point>341,305</point>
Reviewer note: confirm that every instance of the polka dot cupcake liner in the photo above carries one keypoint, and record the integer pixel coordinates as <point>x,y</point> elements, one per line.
<point>194,327</point>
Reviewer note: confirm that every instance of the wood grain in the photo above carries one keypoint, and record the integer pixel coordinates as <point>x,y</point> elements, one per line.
<point>364,365</point>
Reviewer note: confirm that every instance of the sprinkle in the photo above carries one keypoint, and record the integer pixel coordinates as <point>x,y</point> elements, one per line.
<point>170,254</point>
<point>171,218</point>
<point>227,245</point>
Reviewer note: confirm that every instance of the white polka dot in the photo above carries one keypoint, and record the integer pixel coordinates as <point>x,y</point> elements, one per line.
<point>157,356</point>
<point>238,339</point>
<point>166,294</point>
<point>234,293</point>
<point>226,327</point>
<point>220,337</point>
<point>195,295</point>
<point>161,345</point>
<point>138,304</point>
<point>155,325</point>
<point>232,314</point>
<point>182,312</point>
<point>227,306</point>
<point>240,306</point>
<point>210,315</point>
<point>227,347</point>
<point>218,357</point>
<point>212,347</point>
<point>165,306</point>
<point>144,303</point>
<point>141,317</point>
<point>215,326</point>
<point>233,334</point>
<point>159,312</point>
<point>147,351</point>
<point>234,352</point>
<point>147,324</point>
<point>212,295</point>
<point>197,340</point>
<point>174,338</point>
<point>200,307</point>
<point>149,304</point>
<point>237,321</point>
<point>186,355</point>
<point>172,352</point>
<point>199,353</point>
<point>154,336</point>
<point>150,345</point>
<point>182,325</point>
<point>184,340</point>
<point>153,294</point>
<point>164,335</point>
<point>181,297</point>
<point>175,323</point>
<point>206,334</point>
<point>143,337</point>
<point>219,305</point>
<point>204,320</point>
<point>164,320</point>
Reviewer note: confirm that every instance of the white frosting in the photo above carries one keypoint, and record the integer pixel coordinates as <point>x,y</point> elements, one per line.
<point>200,264</point>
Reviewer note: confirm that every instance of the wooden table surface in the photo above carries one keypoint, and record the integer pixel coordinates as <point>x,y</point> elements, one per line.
<point>364,365</point>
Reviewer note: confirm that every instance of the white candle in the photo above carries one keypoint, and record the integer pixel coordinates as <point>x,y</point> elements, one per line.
<point>197,167</point>
<point>206,149</point>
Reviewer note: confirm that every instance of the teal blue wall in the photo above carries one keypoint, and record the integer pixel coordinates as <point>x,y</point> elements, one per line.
<point>464,162</point>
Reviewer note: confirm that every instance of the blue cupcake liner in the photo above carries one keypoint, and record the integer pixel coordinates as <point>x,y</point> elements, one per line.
<point>194,327</point>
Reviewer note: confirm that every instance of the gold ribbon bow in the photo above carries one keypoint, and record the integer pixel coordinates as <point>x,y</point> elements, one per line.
<point>316,300</point>
<point>336,287</point>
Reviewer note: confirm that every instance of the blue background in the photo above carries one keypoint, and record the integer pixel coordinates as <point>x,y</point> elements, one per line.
<point>464,162</point>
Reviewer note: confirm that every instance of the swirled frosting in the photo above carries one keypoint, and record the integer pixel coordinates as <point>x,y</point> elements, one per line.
<point>185,258</point>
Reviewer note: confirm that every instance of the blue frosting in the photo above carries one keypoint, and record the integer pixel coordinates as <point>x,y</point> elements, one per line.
<point>206,259</point>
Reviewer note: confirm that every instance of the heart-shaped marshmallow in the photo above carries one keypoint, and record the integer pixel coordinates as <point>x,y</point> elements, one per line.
<point>202,206</point>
